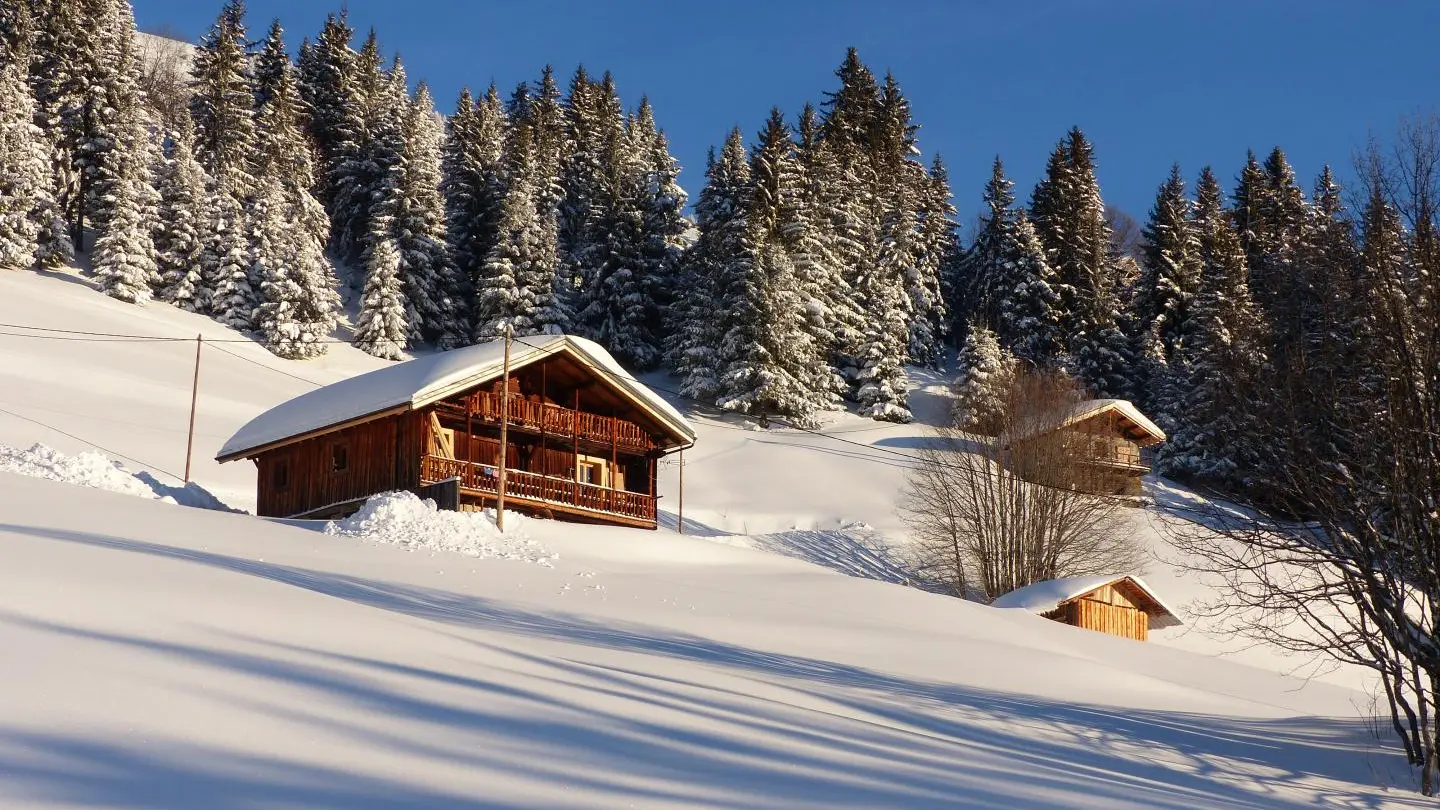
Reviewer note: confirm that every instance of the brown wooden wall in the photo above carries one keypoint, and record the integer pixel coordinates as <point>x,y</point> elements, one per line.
<point>1106,610</point>
<point>380,456</point>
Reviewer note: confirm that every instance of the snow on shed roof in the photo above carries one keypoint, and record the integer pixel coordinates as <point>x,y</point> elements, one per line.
<point>1043,597</point>
<point>424,380</point>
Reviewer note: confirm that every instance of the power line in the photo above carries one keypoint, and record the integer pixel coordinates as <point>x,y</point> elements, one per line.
<point>104,337</point>
<point>223,350</point>
<point>92,444</point>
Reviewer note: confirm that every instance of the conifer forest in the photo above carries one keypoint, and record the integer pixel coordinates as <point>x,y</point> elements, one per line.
<point>320,198</point>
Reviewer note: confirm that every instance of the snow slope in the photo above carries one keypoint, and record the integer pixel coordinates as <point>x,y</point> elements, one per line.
<point>274,664</point>
<point>162,657</point>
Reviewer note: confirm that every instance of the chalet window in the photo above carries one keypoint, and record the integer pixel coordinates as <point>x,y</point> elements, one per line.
<point>591,470</point>
<point>281,475</point>
<point>339,457</point>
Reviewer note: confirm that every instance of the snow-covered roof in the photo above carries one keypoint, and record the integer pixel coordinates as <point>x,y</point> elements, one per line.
<point>1043,597</point>
<point>1089,408</point>
<point>425,380</point>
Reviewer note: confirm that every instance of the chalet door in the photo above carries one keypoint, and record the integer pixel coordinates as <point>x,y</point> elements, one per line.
<point>442,439</point>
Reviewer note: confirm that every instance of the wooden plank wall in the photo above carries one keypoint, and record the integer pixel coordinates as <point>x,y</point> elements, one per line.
<point>381,455</point>
<point>1117,620</point>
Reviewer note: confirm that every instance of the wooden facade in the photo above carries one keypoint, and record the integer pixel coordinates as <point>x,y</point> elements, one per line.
<point>1106,609</point>
<point>1120,608</point>
<point>579,448</point>
<point>1109,436</point>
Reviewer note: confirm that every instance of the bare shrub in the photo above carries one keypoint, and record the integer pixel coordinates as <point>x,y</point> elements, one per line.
<point>990,514</point>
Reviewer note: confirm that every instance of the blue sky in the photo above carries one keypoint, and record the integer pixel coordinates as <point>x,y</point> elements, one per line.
<point>1151,82</point>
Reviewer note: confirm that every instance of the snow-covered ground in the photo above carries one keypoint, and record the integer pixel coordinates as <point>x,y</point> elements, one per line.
<point>164,657</point>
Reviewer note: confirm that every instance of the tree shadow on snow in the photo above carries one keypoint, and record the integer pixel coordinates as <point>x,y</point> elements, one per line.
<point>748,728</point>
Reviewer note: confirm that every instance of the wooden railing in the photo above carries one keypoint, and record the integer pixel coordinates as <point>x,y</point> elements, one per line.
<point>561,421</point>
<point>535,487</point>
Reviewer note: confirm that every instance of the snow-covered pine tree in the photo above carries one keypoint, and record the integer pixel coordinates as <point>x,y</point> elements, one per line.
<point>24,164</point>
<point>984,371</point>
<point>382,328</point>
<point>272,66</point>
<point>1069,217</point>
<point>123,260</point>
<point>1212,402</point>
<point>884,387</point>
<point>362,175</point>
<point>505,297</point>
<point>985,265</point>
<point>182,218</point>
<point>614,307</point>
<point>817,246</point>
<point>768,358</point>
<point>227,262</point>
<point>473,186</point>
<point>296,284</point>
<point>223,102</point>
<point>1329,255</point>
<point>1165,291</point>
<point>1026,305</point>
<point>580,174</point>
<point>1271,214</point>
<point>699,319</point>
<point>936,247</point>
<point>329,85</point>
<point>425,267</point>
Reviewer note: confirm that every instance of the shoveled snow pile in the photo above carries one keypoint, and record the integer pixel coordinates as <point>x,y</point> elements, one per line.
<point>404,519</point>
<point>98,471</point>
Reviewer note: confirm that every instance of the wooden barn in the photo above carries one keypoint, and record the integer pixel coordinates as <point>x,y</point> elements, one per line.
<point>582,436</point>
<point>1119,605</point>
<point>1110,434</point>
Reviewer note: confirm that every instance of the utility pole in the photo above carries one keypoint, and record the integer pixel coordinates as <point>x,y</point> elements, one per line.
<point>504,434</point>
<point>194,395</point>
<point>680,518</point>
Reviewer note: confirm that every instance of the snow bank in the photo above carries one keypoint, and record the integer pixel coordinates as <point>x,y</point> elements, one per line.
<point>403,519</point>
<point>98,471</point>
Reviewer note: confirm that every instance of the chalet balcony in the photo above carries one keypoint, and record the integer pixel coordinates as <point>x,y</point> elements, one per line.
<point>547,418</point>
<point>1126,459</point>
<point>535,492</point>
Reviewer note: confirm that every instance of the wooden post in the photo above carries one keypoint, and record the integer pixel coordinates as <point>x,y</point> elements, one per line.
<point>575,448</point>
<point>194,395</point>
<point>544,394</point>
<point>680,516</point>
<point>504,434</point>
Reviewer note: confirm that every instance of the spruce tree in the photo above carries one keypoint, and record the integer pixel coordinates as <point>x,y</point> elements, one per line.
<point>1026,306</point>
<point>883,384</point>
<point>123,260</point>
<point>1212,401</point>
<point>1166,289</point>
<point>329,85</point>
<point>223,102</point>
<point>382,328</point>
<point>473,185</point>
<point>1070,219</point>
<point>699,320</point>
<point>295,282</point>
<point>182,219</point>
<point>227,263</point>
<point>24,165</point>
<point>936,248</point>
<point>425,267</point>
<point>273,67</point>
<point>506,296</point>
<point>983,373</point>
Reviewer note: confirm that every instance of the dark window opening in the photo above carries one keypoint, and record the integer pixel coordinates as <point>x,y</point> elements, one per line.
<point>339,458</point>
<point>282,475</point>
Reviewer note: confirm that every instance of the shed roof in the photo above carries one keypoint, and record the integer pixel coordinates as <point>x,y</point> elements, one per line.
<point>1043,597</point>
<point>425,380</point>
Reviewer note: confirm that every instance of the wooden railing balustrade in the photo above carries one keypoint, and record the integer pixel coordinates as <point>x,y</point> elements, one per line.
<point>561,421</point>
<point>540,488</point>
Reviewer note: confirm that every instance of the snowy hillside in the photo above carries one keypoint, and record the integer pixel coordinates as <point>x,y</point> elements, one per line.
<point>168,656</point>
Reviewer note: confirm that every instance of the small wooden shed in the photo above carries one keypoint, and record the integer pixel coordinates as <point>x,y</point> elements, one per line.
<point>1119,605</point>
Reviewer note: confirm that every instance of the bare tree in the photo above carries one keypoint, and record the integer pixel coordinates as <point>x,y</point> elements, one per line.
<point>1127,237</point>
<point>1353,570</point>
<point>990,514</point>
<point>165,76</point>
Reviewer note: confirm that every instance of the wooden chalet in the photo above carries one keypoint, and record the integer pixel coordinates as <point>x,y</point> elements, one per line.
<point>583,436</point>
<point>1118,605</point>
<point>1112,433</point>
